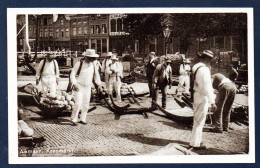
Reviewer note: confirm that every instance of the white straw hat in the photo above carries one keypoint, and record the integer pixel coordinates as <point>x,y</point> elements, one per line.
<point>90,53</point>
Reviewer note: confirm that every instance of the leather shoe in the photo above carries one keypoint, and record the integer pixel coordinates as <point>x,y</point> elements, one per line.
<point>74,123</point>
<point>201,147</point>
<point>83,122</point>
<point>215,130</point>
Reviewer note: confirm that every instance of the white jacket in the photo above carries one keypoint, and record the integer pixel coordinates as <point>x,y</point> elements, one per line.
<point>183,69</point>
<point>48,70</point>
<point>104,67</point>
<point>202,83</point>
<point>87,73</point>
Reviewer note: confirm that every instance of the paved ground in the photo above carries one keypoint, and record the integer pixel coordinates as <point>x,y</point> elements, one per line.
<point>131,134</point>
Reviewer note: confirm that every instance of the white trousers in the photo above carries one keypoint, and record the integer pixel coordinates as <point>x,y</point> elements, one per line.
<point>107,81</point>
<point>113,84</point>
<point>48,85</point>
<point>200,107</point>
<point>184,79</point>
<point>82,100</point>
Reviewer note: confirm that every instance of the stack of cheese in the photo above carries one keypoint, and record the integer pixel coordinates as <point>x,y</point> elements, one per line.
<point>60,99</point>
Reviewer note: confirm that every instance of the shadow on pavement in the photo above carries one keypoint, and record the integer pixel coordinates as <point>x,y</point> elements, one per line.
<point>177,125</point>
<point>163,142</point>
<point>59,121</point>
<point>150,141</point>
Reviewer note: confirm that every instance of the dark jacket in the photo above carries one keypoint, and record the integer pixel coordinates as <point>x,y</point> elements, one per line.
<point>150,68</point>
<point>159,77</point>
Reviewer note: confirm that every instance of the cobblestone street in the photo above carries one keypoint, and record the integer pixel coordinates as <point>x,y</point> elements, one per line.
<point>130,135</point>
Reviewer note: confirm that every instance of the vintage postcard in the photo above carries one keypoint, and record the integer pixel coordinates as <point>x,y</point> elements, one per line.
<point>130,85</point>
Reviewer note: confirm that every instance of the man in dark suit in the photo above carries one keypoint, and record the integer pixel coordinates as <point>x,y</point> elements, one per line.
<point>161,78</point>
<point>150,68</point>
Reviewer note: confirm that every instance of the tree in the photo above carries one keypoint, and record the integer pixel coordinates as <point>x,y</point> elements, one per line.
<point>187,26</point>
<point>141,26</point>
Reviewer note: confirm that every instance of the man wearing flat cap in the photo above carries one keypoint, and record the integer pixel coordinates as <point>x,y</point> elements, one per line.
<point>48,74</point>
<point>203,96</point>
<point>224,100</point>
<point>161,78</point>
<point>82,76</point>
<point>150,68</point>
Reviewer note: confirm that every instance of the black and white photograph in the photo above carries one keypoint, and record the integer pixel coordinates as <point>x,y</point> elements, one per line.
<point>148,85</point>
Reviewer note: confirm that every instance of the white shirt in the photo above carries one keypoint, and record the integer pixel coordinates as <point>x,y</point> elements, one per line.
<point>48,70</point>
<point>184,69</point>
<point>85,77</point>
<point>104,67</point>
<point>202,83</point>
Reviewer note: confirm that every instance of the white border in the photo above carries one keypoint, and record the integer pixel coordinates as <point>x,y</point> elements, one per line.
<point>12,92</point>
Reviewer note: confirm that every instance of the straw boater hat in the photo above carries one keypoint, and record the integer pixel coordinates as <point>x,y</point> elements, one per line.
<point>207,53</point>
<point>90,53</point>
<point>152,53</point>
<point>187,61</point>
<point>109,54</point>
<point>114,57</point>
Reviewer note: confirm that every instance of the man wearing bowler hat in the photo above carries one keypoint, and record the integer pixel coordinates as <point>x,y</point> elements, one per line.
<point>48,73</point>
<point>161,78</point>
<point>150,68</point>
<point>203,96</point>
<point>82,76</point>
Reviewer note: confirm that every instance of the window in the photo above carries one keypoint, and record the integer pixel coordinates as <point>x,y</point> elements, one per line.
<point>51,33</point>
<point>103,16</point>
<point>67,32</point>
<point>92,29</point>
<point>46,33</point>
<point>85,22</point>
<point>85,31</point>
<point>45,22</point>
<point>61,22</point>
<point>93,44</point>
<point>62,33</point>
<point>98,29</point>
<point>79,22</point>
<point>50,21</point>
<point>98,45</point>
<point>30,32</point>
<point>57,33</point>
<point>119,25</point>
<point>41,33</point>
<point>92,17</point>
<point>104,45</point>
<point>34,31</point>
<point>74,32</point>
<point>74,23</point>
<point>113,25</point>
<point>104,28</point>
<point>80,31</point>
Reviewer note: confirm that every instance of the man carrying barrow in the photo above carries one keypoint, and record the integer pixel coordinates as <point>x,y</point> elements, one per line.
<point>82,76</point>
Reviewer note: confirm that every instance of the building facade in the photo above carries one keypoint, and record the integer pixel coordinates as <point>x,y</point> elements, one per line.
<point>104,33</point>
<point>60,33</point>
<point>99,33</point>
<point>79,33</point>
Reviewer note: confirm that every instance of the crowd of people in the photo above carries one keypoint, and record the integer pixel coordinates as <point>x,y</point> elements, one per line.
<point>86,72</point>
